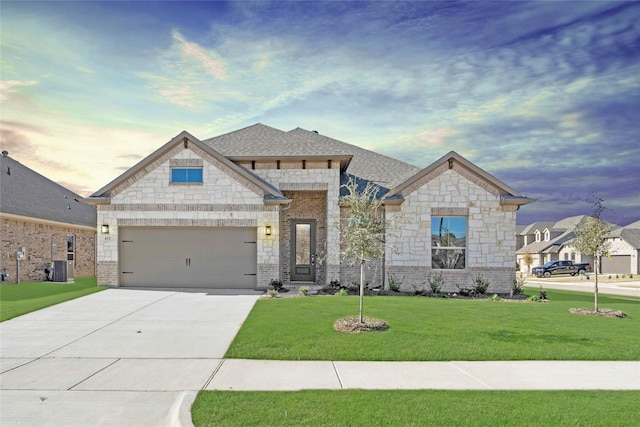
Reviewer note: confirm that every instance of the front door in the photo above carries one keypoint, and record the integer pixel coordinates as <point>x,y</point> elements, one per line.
<point>303,256</point>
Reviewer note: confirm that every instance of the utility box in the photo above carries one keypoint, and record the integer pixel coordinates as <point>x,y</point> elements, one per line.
<point>63,271</point>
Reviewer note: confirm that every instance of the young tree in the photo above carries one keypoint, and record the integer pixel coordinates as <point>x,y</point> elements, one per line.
<point>363,231</point>
<point>591,240</point>
<point>528,260</point>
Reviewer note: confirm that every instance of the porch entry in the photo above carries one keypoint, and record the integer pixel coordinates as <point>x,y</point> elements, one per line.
<point>303,256</point>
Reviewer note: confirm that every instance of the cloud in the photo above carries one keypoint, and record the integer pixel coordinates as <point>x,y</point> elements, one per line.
<point>208,59</point>
<point>10,87</point>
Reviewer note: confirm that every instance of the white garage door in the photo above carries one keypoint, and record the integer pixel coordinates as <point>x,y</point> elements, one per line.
<point>618,264</point>
<point>198,257</point>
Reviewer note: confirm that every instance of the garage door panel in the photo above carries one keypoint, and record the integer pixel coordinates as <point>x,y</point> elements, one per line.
<point>188,257</point>
<point>618,264</point>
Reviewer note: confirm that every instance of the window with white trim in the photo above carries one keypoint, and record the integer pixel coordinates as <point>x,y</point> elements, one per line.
<point>537,235</point>
<point>448,242</point>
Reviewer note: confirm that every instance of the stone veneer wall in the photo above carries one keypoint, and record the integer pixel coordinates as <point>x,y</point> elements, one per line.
<point>222,200</point>
<point>491,241</point>
<point>320,185</point>
<point>38,238</point>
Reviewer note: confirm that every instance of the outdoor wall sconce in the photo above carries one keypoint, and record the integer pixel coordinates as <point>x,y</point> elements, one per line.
<point>267,230</point>
<point>105,228</point>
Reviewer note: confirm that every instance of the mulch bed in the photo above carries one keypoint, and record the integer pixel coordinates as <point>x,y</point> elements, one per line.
<point>352,325</point>
<point>603,312</point>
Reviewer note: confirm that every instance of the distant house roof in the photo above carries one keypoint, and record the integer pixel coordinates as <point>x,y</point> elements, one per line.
<point>26,193</point>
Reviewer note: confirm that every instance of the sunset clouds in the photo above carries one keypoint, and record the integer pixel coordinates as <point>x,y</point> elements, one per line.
<point>543,95</point>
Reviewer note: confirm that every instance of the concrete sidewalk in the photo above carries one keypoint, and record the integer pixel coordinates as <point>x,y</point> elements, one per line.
<point>608,288</point>
<point>240,374</point>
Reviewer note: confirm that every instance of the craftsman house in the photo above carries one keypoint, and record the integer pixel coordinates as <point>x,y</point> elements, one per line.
<point>241,209</point>
<point>42,222</point>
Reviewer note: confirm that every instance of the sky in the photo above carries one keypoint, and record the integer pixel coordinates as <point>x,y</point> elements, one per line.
<point>545,96</point>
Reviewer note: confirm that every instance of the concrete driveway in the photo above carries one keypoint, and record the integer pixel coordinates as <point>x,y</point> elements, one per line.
<point>114,358</point>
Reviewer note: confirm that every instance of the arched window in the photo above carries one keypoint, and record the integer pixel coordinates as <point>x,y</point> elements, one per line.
<point>547,235</point>
<point>537,235</point>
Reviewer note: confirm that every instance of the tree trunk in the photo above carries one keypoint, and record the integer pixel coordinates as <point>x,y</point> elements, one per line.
<point>361,287</point>
<point>595,286</point>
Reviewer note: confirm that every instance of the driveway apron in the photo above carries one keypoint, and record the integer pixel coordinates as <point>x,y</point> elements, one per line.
<point>118,357</point>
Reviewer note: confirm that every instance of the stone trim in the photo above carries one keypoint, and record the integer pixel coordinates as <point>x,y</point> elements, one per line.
<point>146,170</point>
<point>160,222</point>
<point>188,207</point>
<point>449,211</point>
<point>187,163</point>
<point>476,179</point>
<point>422,181</point>
<point>303,186</point>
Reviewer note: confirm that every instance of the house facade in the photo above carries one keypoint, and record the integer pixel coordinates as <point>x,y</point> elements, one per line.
<point>257,204</point>
<point>42,222</point>
<point>552,241</point>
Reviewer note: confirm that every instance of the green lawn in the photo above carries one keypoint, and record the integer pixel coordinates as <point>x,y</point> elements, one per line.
<point>19,299</point>
<point>440,329</point>
<point>416,408</point>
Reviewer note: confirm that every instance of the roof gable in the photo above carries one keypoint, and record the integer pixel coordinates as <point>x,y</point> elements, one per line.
<point>453,160</point>
<point>257,184</point>
<point>261,141</point>
<point>26,193</point>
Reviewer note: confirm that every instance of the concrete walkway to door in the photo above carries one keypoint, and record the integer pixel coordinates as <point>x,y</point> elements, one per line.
<point>114,358</point>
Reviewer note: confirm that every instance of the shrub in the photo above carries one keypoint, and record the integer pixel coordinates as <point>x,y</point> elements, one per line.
<point>334,284</point>
<point>394,285</point>
<point>494,297</point>
<point>304,290</point>
<point>435,283</point>
<point>342,292</point>
<point>480,285</point>
<point>276,285</point>
<point>272,293</point>
<point>518,285</point>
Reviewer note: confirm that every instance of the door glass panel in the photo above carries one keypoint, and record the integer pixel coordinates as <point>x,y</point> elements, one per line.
<point>303,244</point>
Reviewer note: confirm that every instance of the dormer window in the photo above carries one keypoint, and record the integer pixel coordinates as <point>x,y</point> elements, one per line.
<point>186,175</point>
<point>537,235</point>
<point>547,235</point>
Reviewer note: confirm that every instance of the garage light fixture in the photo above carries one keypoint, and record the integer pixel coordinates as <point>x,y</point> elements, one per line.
<point>267,230</point>
<point>105,228</point>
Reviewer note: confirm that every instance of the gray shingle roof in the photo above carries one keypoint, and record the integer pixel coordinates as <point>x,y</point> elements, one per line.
<point>25,192</point>
<point>631,236</point>
<point>382,170</point>
<point>264,141</point>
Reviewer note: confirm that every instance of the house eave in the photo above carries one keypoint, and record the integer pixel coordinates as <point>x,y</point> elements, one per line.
<point>509,200</point>
<point>342,160</point>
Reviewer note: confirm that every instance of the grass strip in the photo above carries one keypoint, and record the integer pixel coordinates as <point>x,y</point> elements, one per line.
<point>440,329</point>
<point>19,299</point>
<point>416,408</point>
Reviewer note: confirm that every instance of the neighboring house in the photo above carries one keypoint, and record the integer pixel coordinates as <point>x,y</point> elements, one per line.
<point>551,241</point>
<point>49,221</point>
<point>257,204</point>
<point>547,241</point>
<point>624,251</point>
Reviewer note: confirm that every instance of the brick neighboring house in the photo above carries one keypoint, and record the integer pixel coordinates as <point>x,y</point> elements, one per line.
<point>240,209</point>
<point>551,241</point>
<point>48,220</point>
